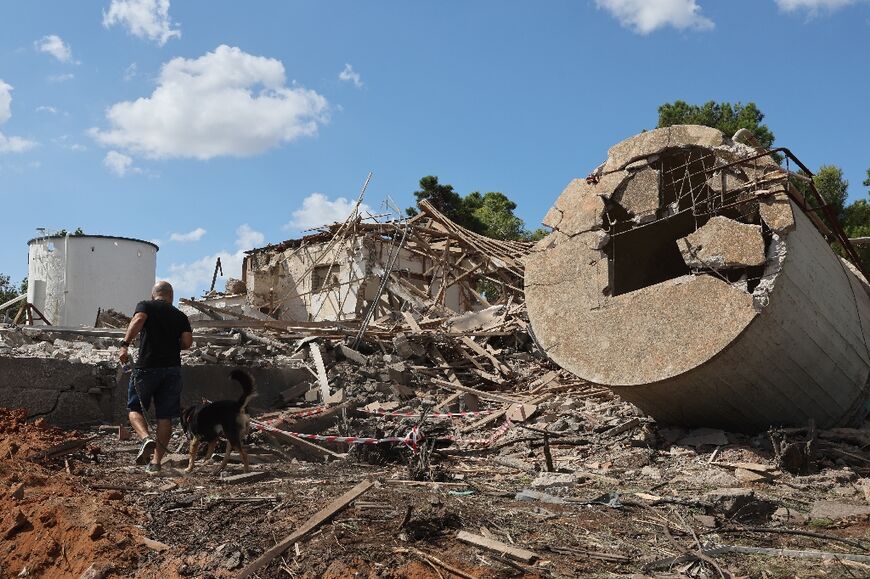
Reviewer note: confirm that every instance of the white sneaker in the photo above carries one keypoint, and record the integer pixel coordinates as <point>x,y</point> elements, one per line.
<point>146,451</point>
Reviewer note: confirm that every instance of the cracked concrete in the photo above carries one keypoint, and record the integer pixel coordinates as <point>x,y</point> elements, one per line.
<point>723,243</point>
<point>612,296</point>
<point>72,393</point>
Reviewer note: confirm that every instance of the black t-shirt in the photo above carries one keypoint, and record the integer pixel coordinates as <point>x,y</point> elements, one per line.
<point>158,344</point>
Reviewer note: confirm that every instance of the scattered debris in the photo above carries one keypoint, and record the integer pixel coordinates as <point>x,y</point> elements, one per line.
<point>417,380</point>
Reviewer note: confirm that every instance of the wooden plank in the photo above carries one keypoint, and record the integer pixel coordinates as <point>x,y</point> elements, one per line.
<point>516,553</point>
<point>538,384</point>
<point>212,311</point>
<point>620,428</point>
<point>478,393</point>
<point>436,355</point>
<point>449,400</point>
<point>305,446</point>
<point>497,415</point>
<point>65,447</point>
<point>246,477</point>
<point>321,370</point>
<point>478,349</point>
<point>318,519</point>
<point>412,323</point>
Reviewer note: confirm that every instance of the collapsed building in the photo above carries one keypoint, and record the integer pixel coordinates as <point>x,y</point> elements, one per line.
<point>357,269</point>
<point>397,359</point>
<point>690,276</point>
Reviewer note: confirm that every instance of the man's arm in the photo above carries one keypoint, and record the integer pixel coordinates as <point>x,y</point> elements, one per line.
<point>186,340</point>
<point>133,330</point>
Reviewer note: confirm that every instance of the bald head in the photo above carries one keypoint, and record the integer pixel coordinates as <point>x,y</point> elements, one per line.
<point>162,291</point>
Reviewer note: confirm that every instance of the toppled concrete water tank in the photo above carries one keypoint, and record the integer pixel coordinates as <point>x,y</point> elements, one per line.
<point>682,276</point>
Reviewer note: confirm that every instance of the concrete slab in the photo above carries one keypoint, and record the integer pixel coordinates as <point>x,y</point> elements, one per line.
<point>723,243</point>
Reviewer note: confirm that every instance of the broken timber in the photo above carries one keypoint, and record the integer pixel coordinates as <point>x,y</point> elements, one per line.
<point>523,555</point>
<point>315,521</point>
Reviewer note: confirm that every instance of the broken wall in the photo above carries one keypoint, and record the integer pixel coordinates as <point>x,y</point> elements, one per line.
<point>329,282</point>
<point>69,393</point>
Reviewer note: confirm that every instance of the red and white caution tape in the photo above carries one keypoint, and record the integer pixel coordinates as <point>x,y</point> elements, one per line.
<point>411,440</point>
<point>430,414</point>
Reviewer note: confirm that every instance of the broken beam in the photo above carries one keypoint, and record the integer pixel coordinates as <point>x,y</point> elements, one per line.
<point>523,555</point>
<point>478,393</point>
<point>318,519</point>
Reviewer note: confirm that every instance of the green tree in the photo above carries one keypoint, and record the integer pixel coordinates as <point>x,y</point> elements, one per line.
<point>856,223</point>
<point>833,188</point>
<point>495,213</point>
<point>726,117</point>
<point>8,290</point>
<point>490,214</point>
<point>63,233</point>
<point>445,200</point>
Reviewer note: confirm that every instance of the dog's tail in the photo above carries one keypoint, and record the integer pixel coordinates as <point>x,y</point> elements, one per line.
<point>247,381</point>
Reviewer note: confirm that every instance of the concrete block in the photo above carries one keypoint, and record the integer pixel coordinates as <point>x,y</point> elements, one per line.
<point>776,212</point>
<point>352,354</point>
<point>834,510</point>
<point>547,480</point>
<point>723,243</point>
<point>640,194</point>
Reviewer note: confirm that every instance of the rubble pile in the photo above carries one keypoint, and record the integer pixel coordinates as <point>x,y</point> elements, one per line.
<point>427,433</point>
<point>516,467</point>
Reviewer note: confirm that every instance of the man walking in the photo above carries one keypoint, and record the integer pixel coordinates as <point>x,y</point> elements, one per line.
<point>157,376</point>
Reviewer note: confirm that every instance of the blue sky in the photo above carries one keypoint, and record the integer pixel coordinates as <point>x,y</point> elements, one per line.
<point>218,126</point>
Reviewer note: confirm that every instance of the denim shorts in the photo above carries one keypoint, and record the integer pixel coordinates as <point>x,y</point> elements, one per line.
<point>163,385</point>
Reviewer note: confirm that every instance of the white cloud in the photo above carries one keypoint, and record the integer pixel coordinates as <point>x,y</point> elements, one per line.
<point>65,142</point>
<point>226,102</point>
<point>10,144</point>
<point>194,235</point>
<point>119,164</point>
<point>61,77</point>
<point>190,278</point>
<point>645,16</point>
<point>46,109</point>
<point>55,46</point>
<point>350,75</point>
<point>247,238</point>
<point>812,7</point>
<point>143,18</point>
<point>318,210</point>
<point>131,71</point>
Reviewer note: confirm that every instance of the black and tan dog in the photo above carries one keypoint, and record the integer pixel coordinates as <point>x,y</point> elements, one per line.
<point>207,422</point>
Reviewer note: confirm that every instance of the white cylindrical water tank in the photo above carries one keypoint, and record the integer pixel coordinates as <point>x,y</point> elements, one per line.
<point>70,277</point>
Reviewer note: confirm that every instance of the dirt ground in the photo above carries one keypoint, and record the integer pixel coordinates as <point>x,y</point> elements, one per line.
<point>92,513</point>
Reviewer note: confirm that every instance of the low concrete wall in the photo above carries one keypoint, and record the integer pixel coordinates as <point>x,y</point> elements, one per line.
<point>76,394</point>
